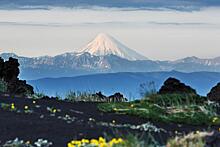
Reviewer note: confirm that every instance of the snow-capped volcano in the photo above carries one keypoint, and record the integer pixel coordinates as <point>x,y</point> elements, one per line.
<point>104,45</point>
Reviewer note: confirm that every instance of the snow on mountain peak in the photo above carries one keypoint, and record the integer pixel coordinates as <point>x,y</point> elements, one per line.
<point>104,45</point>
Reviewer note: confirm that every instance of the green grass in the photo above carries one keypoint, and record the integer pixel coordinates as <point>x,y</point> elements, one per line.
<point>188,111</point>
<point>73,96</point>
<point>175,99</point>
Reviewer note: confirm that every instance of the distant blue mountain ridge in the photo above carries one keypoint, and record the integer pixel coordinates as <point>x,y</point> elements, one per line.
<point>127,83</point>
<point>172,4</point>
<point>75,64</point>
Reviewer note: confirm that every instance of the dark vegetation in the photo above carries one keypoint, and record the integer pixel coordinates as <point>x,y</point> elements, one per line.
<point>9,81</point>
<point>214,94</point>
<point>172,85</point>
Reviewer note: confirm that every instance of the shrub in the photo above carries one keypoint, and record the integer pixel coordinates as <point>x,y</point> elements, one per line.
<point>147,89</point>
<point>214,94</point>
<point>172,85</point>
<point>9,71</point>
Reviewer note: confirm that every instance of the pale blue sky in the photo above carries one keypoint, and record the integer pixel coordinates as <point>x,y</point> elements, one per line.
<point>161,35</point>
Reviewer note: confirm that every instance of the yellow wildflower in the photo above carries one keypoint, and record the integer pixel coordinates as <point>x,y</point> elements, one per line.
<point>85,141</point>
<point>120,140</point>
<point>112,142</point>
<point>103,145</point>
<point>94,142</point>
<point>12,106</point>
<point>101,140</point>
<point>76,142</point>
<point>70,145</point>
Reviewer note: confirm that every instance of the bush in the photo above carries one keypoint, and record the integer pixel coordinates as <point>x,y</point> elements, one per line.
<point>9,72</point>
<point>214,94</point>
<point>172,85</point>
<point>147,89</point>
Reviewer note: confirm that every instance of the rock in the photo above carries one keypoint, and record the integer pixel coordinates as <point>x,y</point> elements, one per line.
<point>172,86</point>
<point>117,97</point>
<point>214,94</point>
<point>100,96</point>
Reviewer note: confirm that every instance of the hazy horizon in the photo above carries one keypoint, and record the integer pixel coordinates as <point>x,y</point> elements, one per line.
<point>157,34</point>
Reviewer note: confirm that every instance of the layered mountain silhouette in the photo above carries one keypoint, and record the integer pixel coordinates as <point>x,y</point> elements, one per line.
<point>74,64</point>
<point>127,83</point>
<point>105,54</point>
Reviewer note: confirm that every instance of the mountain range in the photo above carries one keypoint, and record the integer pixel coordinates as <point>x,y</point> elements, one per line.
<point>127,83</point>
<point>105,54</point>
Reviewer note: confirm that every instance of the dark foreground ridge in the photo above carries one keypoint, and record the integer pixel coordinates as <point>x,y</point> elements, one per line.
<point>60,122</point>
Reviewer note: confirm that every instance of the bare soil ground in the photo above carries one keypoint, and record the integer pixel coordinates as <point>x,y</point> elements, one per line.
<point>72,121</point>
